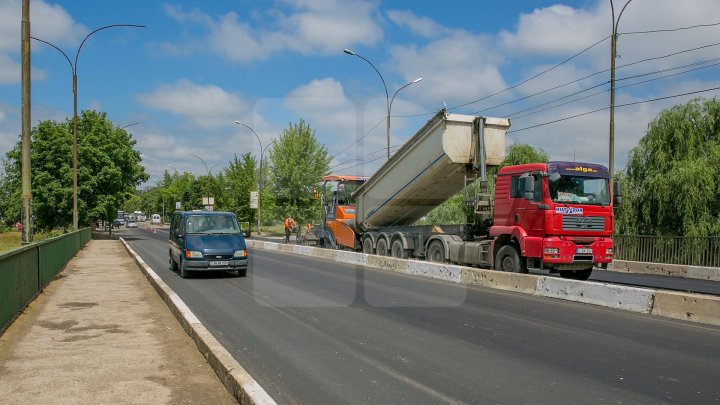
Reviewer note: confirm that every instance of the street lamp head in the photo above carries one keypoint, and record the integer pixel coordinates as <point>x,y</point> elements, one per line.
<point>238,122</point>
<point>419,79</point>
<point>349,52</point>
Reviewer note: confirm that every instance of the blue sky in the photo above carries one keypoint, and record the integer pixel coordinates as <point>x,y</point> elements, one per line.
<point>201,65</point>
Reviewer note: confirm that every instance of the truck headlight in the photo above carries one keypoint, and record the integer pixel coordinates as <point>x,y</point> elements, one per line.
<point>551,251</point>
<point>191,254</point>
<point>240,253</point>
<point>608,253</point>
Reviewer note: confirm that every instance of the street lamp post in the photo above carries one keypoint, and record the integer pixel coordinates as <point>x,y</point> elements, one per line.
<point>208,174</point>
<point>73,68</point>
<point>613,56</point>
<point>387,97</point>
<point>259,182</point>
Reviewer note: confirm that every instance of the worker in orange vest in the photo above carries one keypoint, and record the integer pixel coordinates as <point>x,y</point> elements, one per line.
<point>289,225</point>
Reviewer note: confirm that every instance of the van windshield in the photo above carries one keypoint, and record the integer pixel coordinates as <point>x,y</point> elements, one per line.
<point>210,224</point>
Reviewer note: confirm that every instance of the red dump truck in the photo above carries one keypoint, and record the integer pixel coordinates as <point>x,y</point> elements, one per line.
<point>555,216</point>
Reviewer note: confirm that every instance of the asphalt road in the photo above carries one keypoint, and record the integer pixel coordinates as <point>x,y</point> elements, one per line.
<point>318,332</point>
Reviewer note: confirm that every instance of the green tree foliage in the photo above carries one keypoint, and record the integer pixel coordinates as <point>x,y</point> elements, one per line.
<point>671,184</point>
<point>108,170</point>
<point>454,210</point>
<point>240,177</point>
<point>298,163</point>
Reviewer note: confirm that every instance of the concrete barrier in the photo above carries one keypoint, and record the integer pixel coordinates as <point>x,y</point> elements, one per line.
<point>607,295</point>
<point>664,269</point>
<point>522,283</point>
<point>690,307</point>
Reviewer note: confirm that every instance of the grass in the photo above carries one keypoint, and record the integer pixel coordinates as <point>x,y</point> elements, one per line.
<point>12,239</point>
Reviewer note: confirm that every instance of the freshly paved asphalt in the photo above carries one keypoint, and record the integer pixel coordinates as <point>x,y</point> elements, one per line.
<point>316,332</point>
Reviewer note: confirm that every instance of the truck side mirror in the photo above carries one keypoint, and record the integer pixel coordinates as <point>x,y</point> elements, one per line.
<point>617,198</point>
<point>527,185</point>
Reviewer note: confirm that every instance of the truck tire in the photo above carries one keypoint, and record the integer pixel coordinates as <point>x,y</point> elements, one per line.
<point>576,274</point>
<point>381,249</point>
<point>398,251</point>
<point>436,252</point>
<point>367,246</point>
<point>508,259</point>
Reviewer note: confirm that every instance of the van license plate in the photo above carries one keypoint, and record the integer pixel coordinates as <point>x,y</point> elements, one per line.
<point>219,263</point>
<point>583,251</point>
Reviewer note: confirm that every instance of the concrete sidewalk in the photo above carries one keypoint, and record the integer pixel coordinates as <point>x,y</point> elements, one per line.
<point>99,333</point>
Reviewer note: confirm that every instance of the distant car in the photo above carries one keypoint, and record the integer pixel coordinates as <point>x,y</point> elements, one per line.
<point>132,224</point>
<point>117,223</point>
<point>155,219</point>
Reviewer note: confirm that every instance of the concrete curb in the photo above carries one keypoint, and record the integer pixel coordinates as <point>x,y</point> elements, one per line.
<point>664,269</point>
<point>238,382</point>
<point>692,307</point>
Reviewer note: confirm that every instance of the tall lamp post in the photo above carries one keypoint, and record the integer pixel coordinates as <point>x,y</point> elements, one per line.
<point>613,56</point>
<point>208,174</point>
<point>259,182</point>
<point>73,68</point>
<point>387,96</point>
<point>176,172</point>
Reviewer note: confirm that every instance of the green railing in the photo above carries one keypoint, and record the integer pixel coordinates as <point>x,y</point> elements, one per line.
<point>25,271</point>
<point>691,251</point>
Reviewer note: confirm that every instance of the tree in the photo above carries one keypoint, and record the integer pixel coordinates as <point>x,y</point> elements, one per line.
<point>670,183</point>
<point>299,162</point>
<point>240,179</point>
<point>108,170</point>
<point>455,211</point>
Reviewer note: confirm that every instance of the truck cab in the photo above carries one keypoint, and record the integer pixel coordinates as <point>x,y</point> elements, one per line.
<point>559,214</point>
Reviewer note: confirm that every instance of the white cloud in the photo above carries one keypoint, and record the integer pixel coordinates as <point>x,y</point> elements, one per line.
<point>311,27</point>
<point>422,26</point>
<point>206,106</point>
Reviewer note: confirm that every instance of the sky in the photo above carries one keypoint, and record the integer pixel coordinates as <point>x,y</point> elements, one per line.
<point>180,84</point>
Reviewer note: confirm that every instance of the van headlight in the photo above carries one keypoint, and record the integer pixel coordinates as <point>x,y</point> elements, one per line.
<point>240,253</point>
<point>192,254</point>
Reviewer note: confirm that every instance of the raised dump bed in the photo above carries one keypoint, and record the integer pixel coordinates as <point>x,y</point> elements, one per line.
<point>428,169</point>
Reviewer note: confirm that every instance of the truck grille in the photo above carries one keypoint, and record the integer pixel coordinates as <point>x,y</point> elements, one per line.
<point>575,223</point>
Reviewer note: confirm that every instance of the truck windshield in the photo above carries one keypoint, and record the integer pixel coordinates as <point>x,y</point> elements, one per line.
<point>580,190</point>
<point>212,224</point>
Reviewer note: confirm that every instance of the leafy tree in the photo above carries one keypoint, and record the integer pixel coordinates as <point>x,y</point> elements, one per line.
<point>240,179</point>
<point>671,182</point>
<point>108,170</point>
<point>454,210</point>
<point>298,163</point>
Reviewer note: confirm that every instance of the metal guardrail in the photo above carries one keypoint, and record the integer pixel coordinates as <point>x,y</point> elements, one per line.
<point>683,250</point>
<point>27,270</point>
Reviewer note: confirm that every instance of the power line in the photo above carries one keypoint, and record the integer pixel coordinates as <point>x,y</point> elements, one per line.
<point>706,62</point>
<point>671,29</point>
<point>619,105</point>
<point>361,138</point>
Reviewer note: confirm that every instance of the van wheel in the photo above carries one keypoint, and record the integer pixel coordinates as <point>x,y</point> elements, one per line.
<point>576,274</point>
<point>398,251</point>
<point>436,252</point>
<point>173,265</point>
<point>381,249</point>
<point>183,273</point>
<point>508,259</point>
<point>242,272</point>
<point>367,246</point>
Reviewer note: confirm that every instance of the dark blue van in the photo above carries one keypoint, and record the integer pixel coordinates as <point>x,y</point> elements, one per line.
<point>206,240</point>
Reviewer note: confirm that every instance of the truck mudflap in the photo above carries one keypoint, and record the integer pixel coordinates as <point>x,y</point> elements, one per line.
<point>567,253</point>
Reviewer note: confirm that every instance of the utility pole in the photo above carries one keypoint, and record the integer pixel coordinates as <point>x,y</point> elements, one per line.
<point>26,215</point>
<point>613,56</point>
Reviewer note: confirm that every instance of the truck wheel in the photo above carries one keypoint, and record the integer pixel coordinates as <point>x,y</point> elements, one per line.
<point>436,252</point>
<point>367,246</point>
<point>576,274</point>
<point>398,251</point>
<point>508,259</point>
<point>382,248</point>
